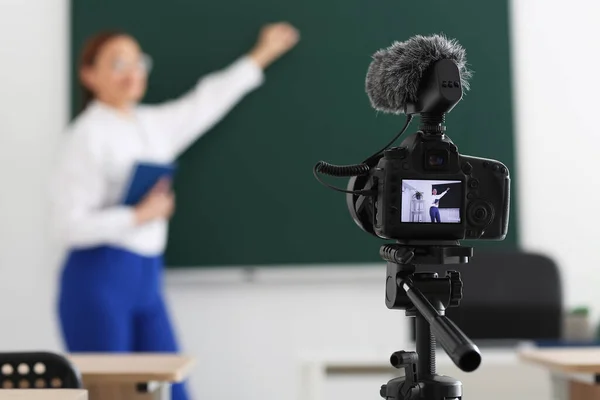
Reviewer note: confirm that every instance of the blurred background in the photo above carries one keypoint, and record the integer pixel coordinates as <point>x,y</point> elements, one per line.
<point>272,287</point>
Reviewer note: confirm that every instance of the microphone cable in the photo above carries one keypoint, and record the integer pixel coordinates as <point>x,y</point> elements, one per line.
<point>325,168</point>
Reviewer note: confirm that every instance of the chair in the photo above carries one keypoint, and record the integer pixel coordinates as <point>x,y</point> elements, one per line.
<point>508,296</point>
<point>37,370</point>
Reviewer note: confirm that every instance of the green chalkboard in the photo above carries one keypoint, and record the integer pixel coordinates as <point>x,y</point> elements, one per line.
<point>245,191</point>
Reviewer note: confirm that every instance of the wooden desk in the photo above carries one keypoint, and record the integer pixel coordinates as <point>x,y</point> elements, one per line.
<point>575,371</point>
<point>131,376</point>
<point>43,394</point>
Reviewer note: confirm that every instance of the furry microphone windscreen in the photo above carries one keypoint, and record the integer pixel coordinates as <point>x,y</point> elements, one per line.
<point>395,73</point>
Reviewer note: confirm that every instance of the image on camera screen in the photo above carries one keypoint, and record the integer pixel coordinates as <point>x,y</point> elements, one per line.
<point>431,201</point>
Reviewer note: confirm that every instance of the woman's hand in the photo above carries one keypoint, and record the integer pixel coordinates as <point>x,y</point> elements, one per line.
<point>274,41</point>
<point>159,203</point>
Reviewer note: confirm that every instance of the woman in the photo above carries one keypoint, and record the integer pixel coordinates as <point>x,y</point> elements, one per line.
<point>110,296</point>
<point>434,212</point>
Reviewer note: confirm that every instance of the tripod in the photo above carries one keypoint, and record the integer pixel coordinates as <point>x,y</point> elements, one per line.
<point>425,296</point>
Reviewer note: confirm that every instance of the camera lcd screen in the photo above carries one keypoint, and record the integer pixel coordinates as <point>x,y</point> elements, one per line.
<point>431,201</point>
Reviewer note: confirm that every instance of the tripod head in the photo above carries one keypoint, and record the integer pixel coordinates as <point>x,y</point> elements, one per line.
<point>426,296</point>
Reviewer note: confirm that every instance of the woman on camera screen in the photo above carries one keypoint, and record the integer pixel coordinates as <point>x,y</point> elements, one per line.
<point>434,212</point>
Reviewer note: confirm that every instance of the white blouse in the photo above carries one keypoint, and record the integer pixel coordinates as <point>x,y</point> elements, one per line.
<point>103,147</point>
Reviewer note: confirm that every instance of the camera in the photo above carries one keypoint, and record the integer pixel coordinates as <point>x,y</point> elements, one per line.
<point>425,189</point>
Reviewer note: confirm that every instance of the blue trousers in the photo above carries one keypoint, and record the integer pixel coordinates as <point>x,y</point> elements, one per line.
<point>434,214</point>
<point>110,301</point>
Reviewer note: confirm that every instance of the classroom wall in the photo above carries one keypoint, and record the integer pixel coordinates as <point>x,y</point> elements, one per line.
<point>33,110</point>
<point>557,141</point>
<point>244,327</point>
<point>251,332</point>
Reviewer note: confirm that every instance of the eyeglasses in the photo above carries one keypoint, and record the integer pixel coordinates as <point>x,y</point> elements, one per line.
<point>144,64</point>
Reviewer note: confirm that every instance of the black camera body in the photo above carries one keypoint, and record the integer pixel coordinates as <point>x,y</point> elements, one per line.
<point>481,206</point>
<point>424,189</point>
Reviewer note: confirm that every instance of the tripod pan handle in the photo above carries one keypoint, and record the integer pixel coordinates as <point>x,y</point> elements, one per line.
<point>463,352</point>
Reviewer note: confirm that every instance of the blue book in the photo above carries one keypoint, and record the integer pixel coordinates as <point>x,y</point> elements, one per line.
<point>144,177</point>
